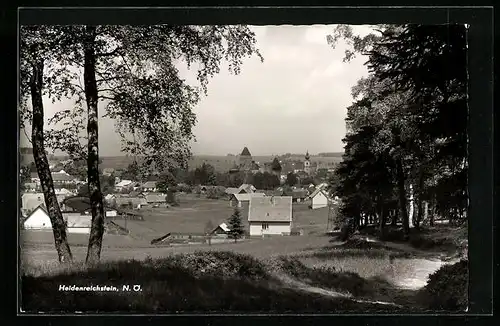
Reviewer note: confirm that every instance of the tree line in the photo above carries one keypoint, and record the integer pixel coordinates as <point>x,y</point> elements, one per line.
<point>407,127</point>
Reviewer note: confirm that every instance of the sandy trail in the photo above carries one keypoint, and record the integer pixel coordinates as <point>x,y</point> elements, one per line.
<point>422,267</point>
<point>298,285</point>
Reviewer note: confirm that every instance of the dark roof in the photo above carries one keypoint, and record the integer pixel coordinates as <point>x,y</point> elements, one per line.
<point>270,209</point>
<point>245,152</point>
<point>78,203</point>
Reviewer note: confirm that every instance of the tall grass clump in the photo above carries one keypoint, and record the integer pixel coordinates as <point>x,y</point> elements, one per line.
<point>447,288</point>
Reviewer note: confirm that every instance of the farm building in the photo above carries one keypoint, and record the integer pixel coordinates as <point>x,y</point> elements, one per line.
<point>246,189</point>
<point>238,200</point>
<point>156,200</point>
<point>220,230</point>
<point>318,198</point>
<point>149,186</point>
<point>38,219</point>
<point>270,215</point>
<point>134,202</point>
<point>124,185</point>
<point>78,223</point>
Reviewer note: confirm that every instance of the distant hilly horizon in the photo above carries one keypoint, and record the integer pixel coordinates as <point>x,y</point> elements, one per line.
<point>28,150</point>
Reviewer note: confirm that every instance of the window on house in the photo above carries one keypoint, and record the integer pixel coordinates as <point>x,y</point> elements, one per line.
<point>265,226</point>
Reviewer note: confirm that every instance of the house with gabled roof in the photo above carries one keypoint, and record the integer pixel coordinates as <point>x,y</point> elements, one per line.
<point>246,188</point>
<point>231,190</point>
<point>38,219</point>
<point>156,200</point>
<point>221,230</point>
<point>241,201</point>
<point>319,198</point>
<point>149,186</point>
<point>270,215</point>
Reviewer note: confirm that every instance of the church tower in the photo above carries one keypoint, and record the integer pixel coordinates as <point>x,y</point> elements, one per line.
<point>307,164</point>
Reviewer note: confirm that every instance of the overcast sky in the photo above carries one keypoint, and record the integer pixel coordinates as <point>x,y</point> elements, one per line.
<point>294,101</point>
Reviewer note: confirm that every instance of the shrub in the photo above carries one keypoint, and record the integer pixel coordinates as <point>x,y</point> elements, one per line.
<point>216,263</point>
<point>447,288</point>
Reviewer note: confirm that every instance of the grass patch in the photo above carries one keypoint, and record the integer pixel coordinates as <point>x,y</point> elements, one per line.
<point>200,282</point>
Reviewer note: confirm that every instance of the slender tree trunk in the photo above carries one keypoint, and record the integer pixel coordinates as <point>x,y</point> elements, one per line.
<point>394,220</point>
<point>402,197</point>
<point>433,212</point>
<point>426,211</point>
<point>42,166</point>
<point>411,206</point>
<point>96,200</point>
<point>381,223</point>
<point>420,202</point>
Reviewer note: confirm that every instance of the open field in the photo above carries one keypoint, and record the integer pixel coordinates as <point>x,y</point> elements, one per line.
<point>189,218</point>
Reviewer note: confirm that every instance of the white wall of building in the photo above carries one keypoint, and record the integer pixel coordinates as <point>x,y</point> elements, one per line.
<point>319,201</point>
<point>274,228</point>
<point>39,220</point>
<point>79,230</point>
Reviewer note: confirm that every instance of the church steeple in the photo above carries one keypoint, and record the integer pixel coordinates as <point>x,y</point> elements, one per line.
<point>307,164</point>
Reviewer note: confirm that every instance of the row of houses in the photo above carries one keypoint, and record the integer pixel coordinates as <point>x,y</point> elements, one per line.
<point>136,200</point>
<point>76,222</point>
<point>317,195</point>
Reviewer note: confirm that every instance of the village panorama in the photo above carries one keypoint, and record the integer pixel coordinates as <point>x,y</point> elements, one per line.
<point>295,183</point>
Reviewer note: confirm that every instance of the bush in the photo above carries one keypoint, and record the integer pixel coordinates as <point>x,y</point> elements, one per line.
<point>447,288</point>
<point>215,263</point>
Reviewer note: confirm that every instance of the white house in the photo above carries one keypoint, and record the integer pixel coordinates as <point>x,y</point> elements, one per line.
<point>38,220</point>
<point>63,178</point>
<point>318,198</point>
<point>149,186</point>
<point>270,215</point>
<point>124,184</point>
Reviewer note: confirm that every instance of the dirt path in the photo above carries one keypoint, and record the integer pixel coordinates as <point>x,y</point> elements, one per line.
<point>296,284</point>
<point>423,267</point>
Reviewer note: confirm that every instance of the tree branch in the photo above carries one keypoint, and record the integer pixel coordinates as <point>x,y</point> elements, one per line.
<point>108,54</point>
